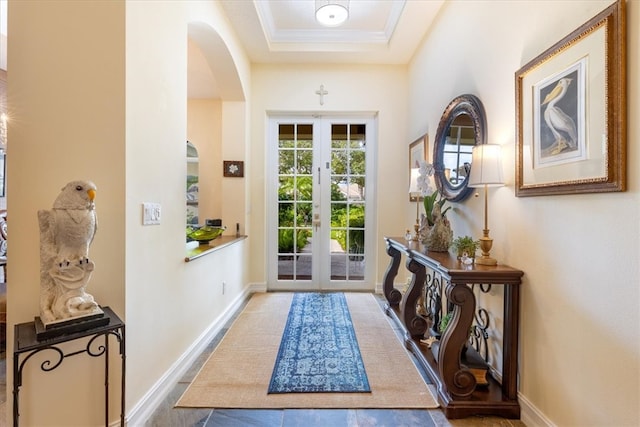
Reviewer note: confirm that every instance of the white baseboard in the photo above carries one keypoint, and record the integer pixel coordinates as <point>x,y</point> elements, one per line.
<point>149,403</point>
<point>255,288</point>
<point>532,416</point>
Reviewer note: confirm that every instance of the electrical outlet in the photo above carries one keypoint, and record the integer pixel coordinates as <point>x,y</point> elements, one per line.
<point>151,213</point>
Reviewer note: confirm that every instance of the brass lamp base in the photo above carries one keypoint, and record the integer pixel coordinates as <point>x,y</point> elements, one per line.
<point>486,261</point>
<point>485,246</point>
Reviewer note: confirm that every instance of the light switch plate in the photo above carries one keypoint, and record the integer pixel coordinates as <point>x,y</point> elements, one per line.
<point>151,213</point>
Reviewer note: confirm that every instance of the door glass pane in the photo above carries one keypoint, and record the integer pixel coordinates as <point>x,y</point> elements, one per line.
<point>285,214</point>
<point>348,156</point>
<point>295,194</point>
<point>304,161</point>
<point>304,188</point>
<point>304,215</point>
<point>285,162</point>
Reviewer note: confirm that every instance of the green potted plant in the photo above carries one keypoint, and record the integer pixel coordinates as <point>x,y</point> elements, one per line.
<point>466,244</point>
<point>430,202</point>
<point>444,323</point>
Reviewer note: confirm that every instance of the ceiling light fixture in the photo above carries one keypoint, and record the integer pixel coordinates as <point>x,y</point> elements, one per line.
<point>332,13</point>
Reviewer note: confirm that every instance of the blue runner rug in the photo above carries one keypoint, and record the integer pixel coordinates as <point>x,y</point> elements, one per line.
<point>319,351</point>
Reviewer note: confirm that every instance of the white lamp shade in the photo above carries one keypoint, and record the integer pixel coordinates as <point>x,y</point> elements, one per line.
<point>486,166</point>
<point>332,13</point>
<point>413,185</point>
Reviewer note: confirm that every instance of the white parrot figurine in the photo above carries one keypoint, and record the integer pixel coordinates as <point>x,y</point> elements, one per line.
<point>66,232</point>
<point>73,220</point>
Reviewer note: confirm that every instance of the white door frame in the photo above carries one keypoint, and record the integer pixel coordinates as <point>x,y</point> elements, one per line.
<point>321,247</point>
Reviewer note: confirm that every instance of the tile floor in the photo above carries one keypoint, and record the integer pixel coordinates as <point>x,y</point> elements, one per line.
<point>168,416</point>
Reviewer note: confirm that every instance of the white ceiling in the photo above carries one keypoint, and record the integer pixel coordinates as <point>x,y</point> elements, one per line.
<point>285,31</point>
<point>377,31</point>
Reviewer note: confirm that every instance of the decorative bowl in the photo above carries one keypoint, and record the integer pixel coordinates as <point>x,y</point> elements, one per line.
<point>205,234</point>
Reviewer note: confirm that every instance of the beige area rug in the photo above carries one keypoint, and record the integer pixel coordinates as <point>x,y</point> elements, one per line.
<point>237,373</point>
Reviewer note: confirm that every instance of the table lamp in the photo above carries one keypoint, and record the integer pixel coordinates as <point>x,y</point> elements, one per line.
<point>486,171</point>
<point>414,195</point>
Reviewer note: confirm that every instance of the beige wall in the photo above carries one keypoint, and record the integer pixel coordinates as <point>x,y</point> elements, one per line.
<point>579,346</point>
<point>235,139</point>
<point>68,122</point>
<point>204,131</point>
<point>185,298</point>
<point>291,88</point>
<point>90,103</point>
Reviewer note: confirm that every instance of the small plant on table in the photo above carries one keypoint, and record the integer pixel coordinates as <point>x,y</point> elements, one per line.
<point>466,244</point>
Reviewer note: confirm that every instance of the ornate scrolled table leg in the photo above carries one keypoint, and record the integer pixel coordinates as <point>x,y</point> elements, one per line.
<point>457,380</point>
<point>392,295</point>
<point>416,325</point>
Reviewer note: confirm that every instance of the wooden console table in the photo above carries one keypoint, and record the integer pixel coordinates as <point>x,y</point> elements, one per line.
<point>433,273</point>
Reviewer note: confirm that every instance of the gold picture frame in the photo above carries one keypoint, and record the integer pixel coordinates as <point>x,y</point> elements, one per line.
<point>571,112</point>
<point>417,151</point>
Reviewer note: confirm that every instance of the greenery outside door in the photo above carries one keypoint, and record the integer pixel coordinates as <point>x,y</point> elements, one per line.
<point>320,214</point>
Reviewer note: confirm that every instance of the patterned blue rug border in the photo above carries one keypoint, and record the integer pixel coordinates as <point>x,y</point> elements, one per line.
<point>319,351</point>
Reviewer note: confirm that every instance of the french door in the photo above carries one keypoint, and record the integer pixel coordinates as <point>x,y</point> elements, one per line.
<point>320,225</point>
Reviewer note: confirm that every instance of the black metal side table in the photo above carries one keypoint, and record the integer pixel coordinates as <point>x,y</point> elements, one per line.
<point>26,345</point>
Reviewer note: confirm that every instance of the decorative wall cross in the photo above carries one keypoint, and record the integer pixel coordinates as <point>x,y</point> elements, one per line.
<point>322,93</point>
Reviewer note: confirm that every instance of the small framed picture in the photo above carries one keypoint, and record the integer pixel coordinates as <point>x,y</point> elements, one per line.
<point>233,168</point>
<point>418,151</point>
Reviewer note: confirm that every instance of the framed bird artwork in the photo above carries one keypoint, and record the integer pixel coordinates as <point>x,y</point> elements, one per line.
<point>559,117</point>
<point>571,112</point>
